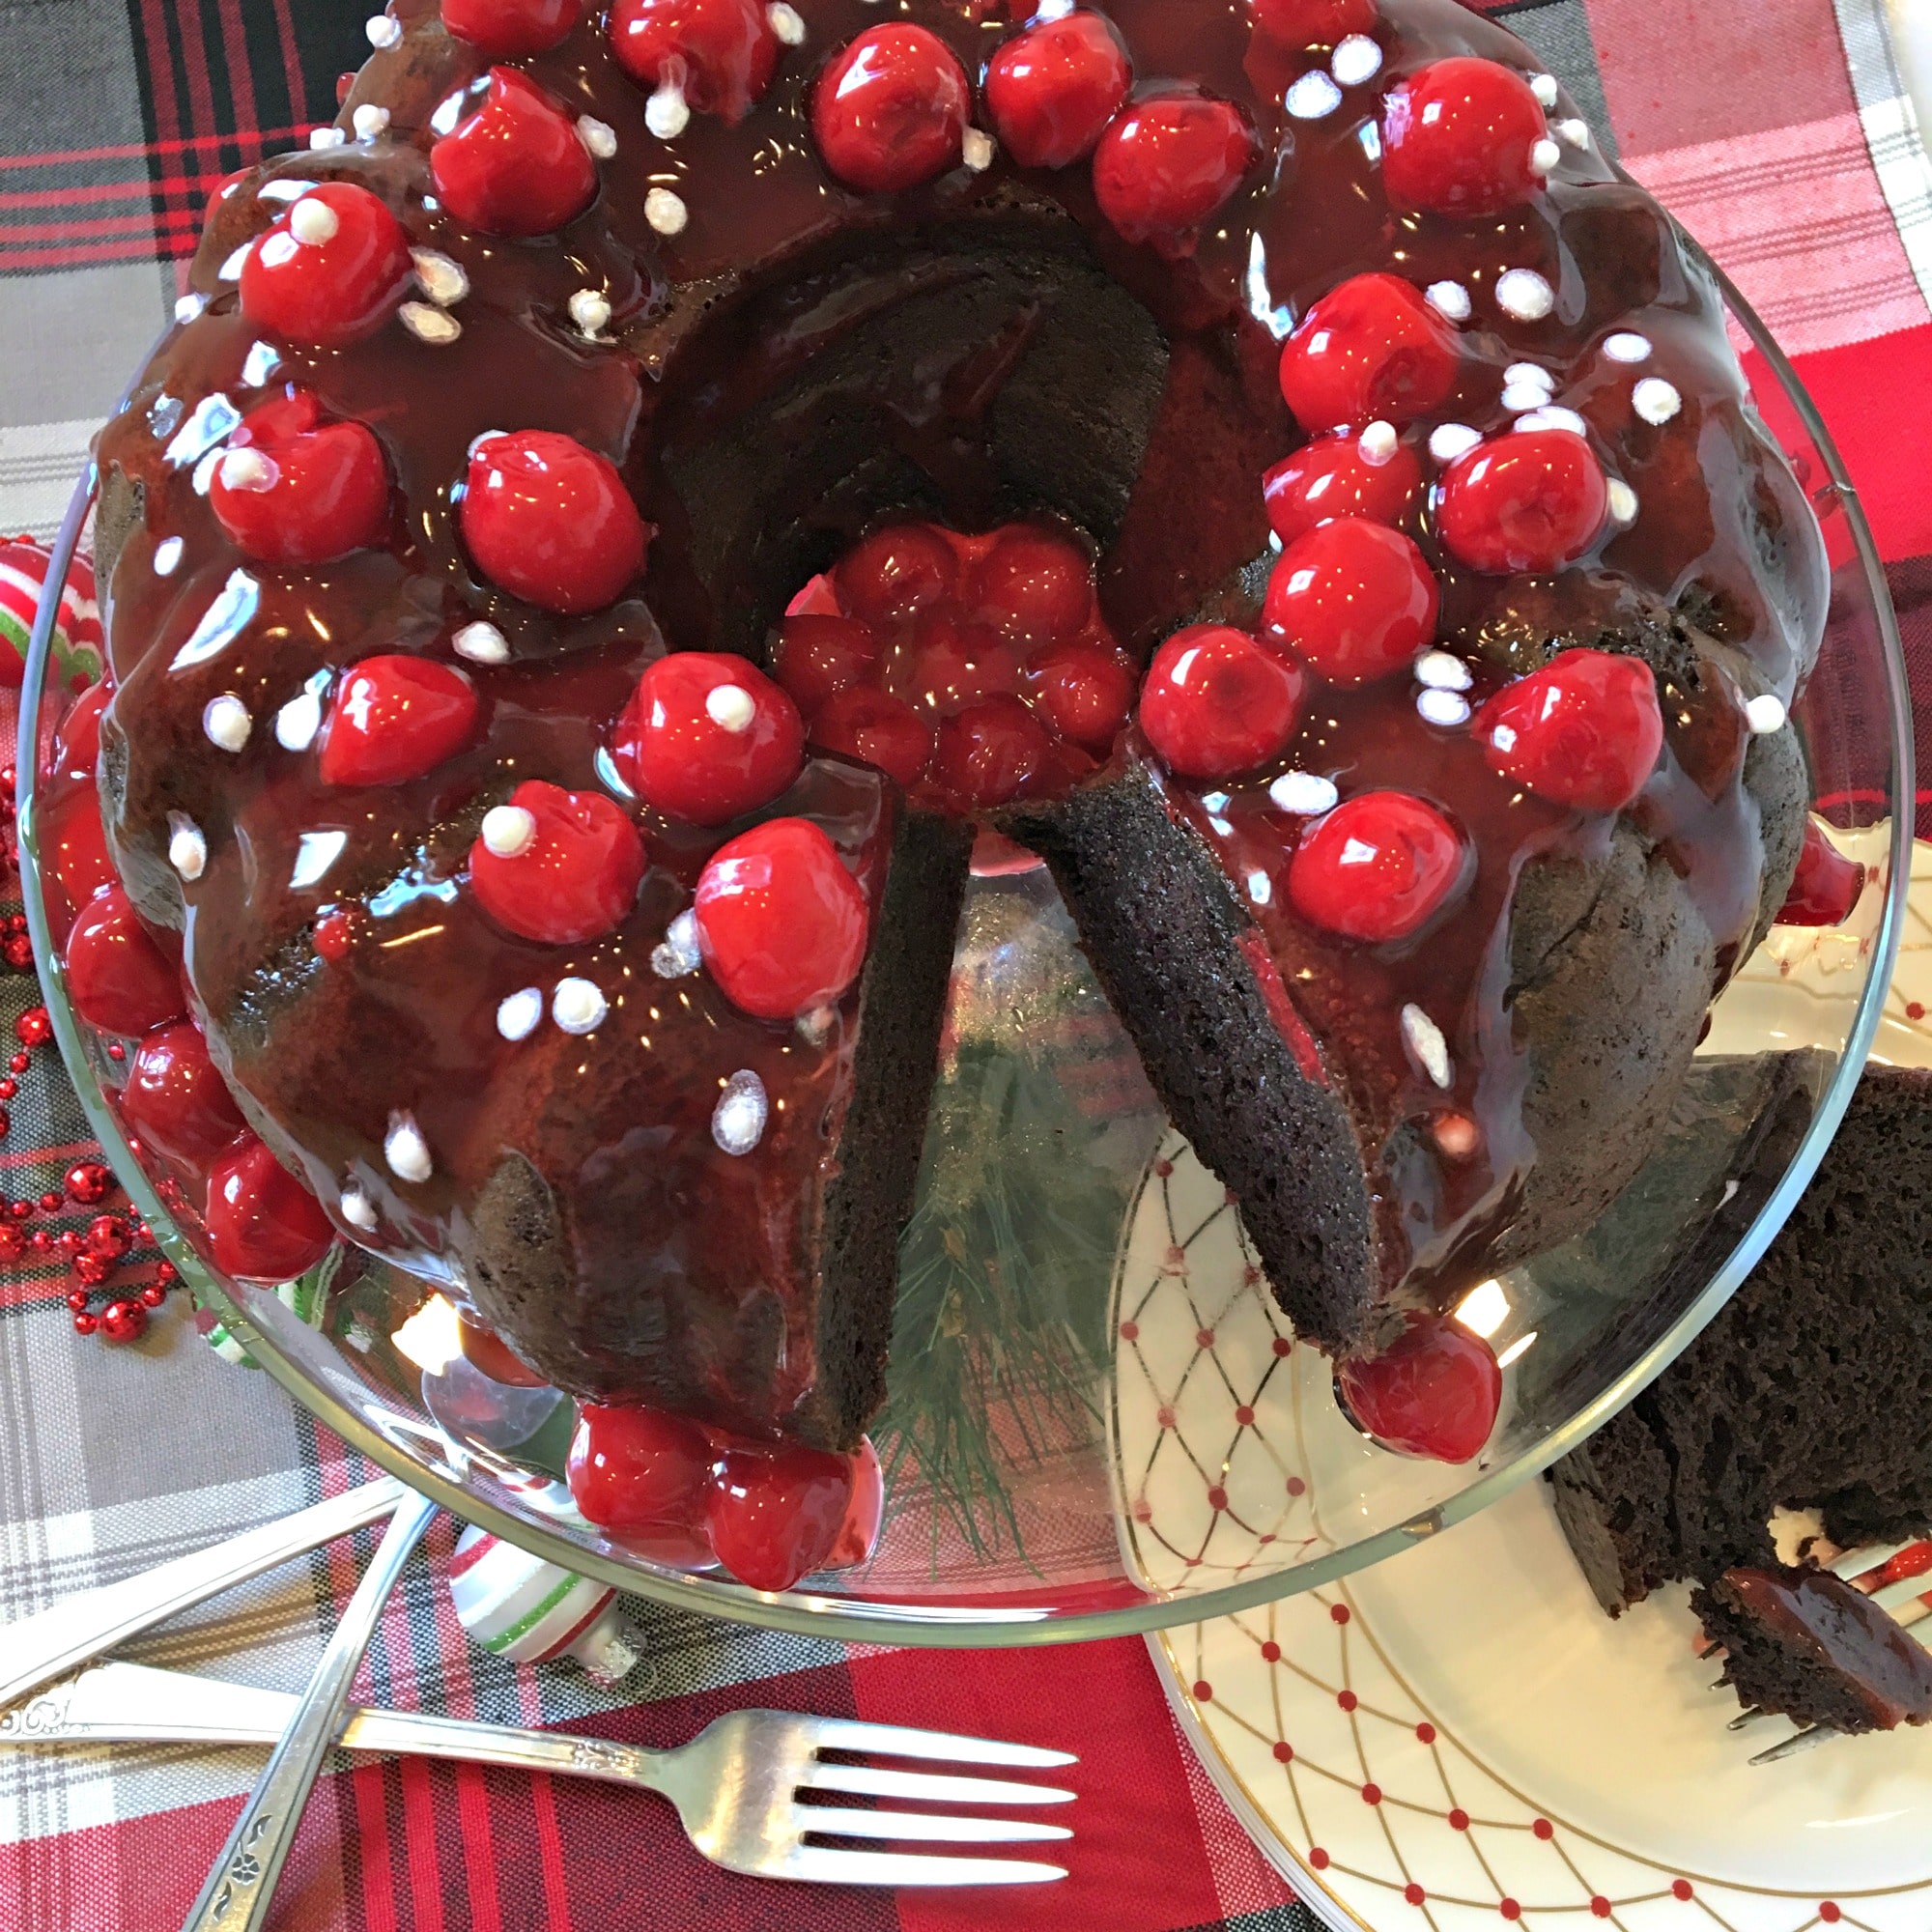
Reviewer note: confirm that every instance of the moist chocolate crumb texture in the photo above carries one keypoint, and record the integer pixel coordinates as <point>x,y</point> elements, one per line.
<point>623,508</point>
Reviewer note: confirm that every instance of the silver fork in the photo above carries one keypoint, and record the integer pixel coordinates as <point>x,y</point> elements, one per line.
<point>748,1789</point>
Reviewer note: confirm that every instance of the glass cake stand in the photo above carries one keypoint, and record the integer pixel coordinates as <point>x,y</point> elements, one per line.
<point>1098,1423</point>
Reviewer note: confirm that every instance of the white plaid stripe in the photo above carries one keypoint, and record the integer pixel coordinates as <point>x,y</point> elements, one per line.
<point>39,465</point>
<point>1891,129</point>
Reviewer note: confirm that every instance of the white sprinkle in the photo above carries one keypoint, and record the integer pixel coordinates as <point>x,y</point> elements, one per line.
<point>383,31</point>
<point>1378,443</point>
<point>1545,157</point>
<point>167,556</point>
<point>1356,58</point>
<point>787,23</point>
<point>1543,87</point>
<point>579,1006</point>
<point>1442,670</point>
<point>190,306</point>
<point>1450,299</point>
<point>443,280</point>
<point>248,469</point>
<point>433,326</point>
<point>1312,97</point>
<point>328,137</point>
<point>370,121</point>
<point>738,1120</point>
<point>599,137</point>
<point>482,643</point>
<point>666,211</point>
<point>406,1150</point>
<point>667,114</point>
<point>1623,500</point>
<point>1446,708</point>
<point>1522,396</point>
<point>521,1014</point>
<point>1530,375</point>
<point>1523,294</point>
<point>1766,714</point>
<point>590,311</point>
<point>188,849</point>
<point>226,721</point>
<point>1449,440</point>
<point>976,149</point>
<point>299,721</point>
<point>1304,794</point>
<point>1626,346</point>
<point>732,707</point>
<point>1573,133</point>
<point>1655,400</point>
<point>680,955</point>
<point>1426,1042</point>
<point>1552,416</point>
<point>314,853</point>
<point>509,831</point>
<point>231,269</point>
<point>358,1211</point>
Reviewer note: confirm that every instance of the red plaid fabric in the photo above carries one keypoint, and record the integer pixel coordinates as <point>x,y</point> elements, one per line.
<point>1778,129</point>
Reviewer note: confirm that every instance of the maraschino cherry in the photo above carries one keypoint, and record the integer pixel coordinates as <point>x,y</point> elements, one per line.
<point>175,1099</point>
<point>71,831</point>
<point>782,922</point>
<point>1034,586</point>
<point>1372,349</point>
<point>1217,703</point>
<point>1353,599</point>
<point>876,729</point>
<point>1433,1392</point>
<point>1826,888</point>
<point>507,30</point>
<point>1345,474</point>
<point>774,1513</point>
<point>1168,164</point>
<point>1378,867</point>
<point>333,269</point>
<point>708,737</point>
<point>1312,24</point>
<point>896,572</point>
<point>557,867</point>
<point>551,522</point>
<point>293,488</point>
<point>119,979</point>
<point>517,166</point>
<point>818,655</point>
<point>1584,732</point>
<point>1532,501</point>
<point>719,54</point>
<point>1053,89</point>
<point>645,1475</point>
<point>1083,692</point>
<point>395,718</point>
<point>986,751</point>
<point>263,1224</point>
<point>1460,137</point>
<point>891,111</point>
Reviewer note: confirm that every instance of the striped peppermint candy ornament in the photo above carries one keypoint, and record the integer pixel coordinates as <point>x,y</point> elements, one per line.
<point>77,644</point>
<point>518,1606</point>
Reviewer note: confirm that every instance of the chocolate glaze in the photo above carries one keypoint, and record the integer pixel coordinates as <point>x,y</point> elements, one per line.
<point>978,347</point>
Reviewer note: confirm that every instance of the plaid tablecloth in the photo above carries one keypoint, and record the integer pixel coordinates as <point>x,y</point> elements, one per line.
<point>1779,130</point>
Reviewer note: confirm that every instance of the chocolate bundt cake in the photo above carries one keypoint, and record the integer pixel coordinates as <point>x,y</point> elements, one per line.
<point>621,513</point>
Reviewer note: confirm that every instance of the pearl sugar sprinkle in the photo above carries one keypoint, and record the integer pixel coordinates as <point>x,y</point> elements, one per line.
<point>787,23</point>
<point>1543,87</point>
<point>1304,794</point>
<point>312,222</point>
<point>1357,59</point>
<point>666,211</point>
<point>299,721</point>
<point>508,831</point>
<point>599,137</point>
<point>731,708</point>
<point>1523,294</point>
<point>358,1211</point>
<point>579,1006</point>
<point>1425,1040</point>
<point>326,137</point>
<point>680,955</point>
<point>1655,400</point>
<point>1449,440</point>
<point>977,150</point>
<point>1378,443</point>
<point>188,849</point>
<point>433,326</point>
<point>521,1014</point>
<point>1442,670</point>
<point>1626,346</point>
<point>383,31</point>
<point>738,1120</point>
<point>1449,299</point>
<point>590,311</point>
<point>1445,708</point>
<point>227,722</point>
<point>406,1150</point>
<point>667,114</point>
<point>1312,97</point>
<point>370,121</point>
<point>482,643</point>
<point>443,280</point>
<point>1766,713</point>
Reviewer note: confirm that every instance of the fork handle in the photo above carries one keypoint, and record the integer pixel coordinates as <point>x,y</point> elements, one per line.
<point>67,1634</point>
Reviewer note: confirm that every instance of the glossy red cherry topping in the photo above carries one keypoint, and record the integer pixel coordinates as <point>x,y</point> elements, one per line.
<point>774,1515</point>
<point>1371,350</point>
<point>641,1472</point>
<point>1053,89</point>
<point>1084,693</point>
<point>175,1099</point>
<point>1532,501</point>
<point>858,1534</point>
<point>781,921</point>
<point>708,738</point>
<point>1168,164</point>
<point>719,54</point>
<point>1376,869</point>
<point>70,830</point>
<point>1341,476</point>
<point>1434,1391</point>
<point>896,572</point>
<point>1312,24</point>
<point>557,867</point>
<point>517,166</point>
<point>263,1224</point>
<point>508,30</point>
<point>1584,731</point>
<point>876,729</point>
<point>551,522</point>
<point>987,751</point>
<point>1034,586</point>
<point>119,979</point>
<point>333,267</point>
<point>891,111</point>
<point>1826,888</point>
<point>394,718</point>
<point>1353,599</point>
<point>1458,137</point>
<point>1217,703</point>
<point>293,488</point>
<point>816,656</point>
